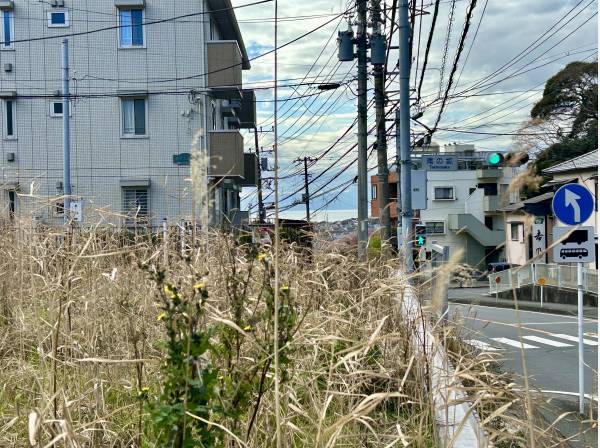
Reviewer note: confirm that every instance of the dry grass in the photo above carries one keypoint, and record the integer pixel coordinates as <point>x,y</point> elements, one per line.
<point>79,345</point>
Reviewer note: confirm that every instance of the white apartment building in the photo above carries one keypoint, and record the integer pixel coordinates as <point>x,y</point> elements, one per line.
<point>146,78</point>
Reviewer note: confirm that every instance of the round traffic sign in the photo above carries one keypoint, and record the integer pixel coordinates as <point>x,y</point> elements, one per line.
<point>573,204</point>
<point>541,281</point>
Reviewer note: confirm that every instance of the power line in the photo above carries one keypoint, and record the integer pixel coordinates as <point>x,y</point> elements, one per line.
<point>471,46</point>
<point>428,47</point>
<point>456,59</point>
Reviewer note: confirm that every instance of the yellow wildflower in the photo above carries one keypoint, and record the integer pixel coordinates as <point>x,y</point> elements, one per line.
<point>145,389</point>
<point>161,316</point>
<point>169,291</point>
<point>200,285</point>
<point>261,257</point>
<point>248,328</point>
<point>285,288</point>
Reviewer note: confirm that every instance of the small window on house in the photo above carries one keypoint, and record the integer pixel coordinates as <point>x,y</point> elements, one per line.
<point>133,111</point>
<point>435,227</point>
<point>135,205</point>
<point>7,30</point>
<point>131,28</point>
<point>515,231</point>
<point>58,19</point>
<point>10,119</point>
<point>373,191</point>
<point>443,193</point>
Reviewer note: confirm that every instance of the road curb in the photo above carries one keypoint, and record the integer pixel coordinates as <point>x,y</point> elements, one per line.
<point>457,423</point>
<point>524,307</point>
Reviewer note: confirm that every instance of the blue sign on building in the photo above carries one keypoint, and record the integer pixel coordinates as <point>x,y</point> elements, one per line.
<point>573,204</point>
<point>440,162</point>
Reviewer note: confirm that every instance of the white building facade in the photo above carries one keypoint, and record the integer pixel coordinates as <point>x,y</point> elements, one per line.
<point>147,78</point>
<point>463,205</point>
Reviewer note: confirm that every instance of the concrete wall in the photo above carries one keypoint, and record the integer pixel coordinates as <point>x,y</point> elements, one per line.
<point>100,156</point>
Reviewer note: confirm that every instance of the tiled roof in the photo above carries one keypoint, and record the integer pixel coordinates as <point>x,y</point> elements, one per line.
<point>588,160</point>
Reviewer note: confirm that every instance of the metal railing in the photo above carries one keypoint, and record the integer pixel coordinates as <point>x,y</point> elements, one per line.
<point>556,275</point>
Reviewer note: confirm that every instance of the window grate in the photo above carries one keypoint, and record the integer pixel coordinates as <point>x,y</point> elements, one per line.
<point>135,206</point>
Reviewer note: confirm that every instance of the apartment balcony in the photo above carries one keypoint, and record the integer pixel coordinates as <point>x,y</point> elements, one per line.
<point>250,170</point>
<point>226,153</point>
<point>247,112</point>
<point>224,77</point>
<point>489,173</point>
<point>490,204</point>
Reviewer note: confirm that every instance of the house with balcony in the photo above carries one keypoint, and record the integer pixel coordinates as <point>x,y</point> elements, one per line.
<point>529,223</point>
<point>154,83</point>
<point>463,197</point>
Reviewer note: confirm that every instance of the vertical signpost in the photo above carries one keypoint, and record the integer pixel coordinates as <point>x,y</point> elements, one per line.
<point>573,205</point>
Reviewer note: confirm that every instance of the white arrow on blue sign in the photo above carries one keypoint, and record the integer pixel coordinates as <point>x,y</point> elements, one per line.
<point>573,204</point>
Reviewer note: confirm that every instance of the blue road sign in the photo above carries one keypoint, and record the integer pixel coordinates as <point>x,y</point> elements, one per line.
<point>573,204</point>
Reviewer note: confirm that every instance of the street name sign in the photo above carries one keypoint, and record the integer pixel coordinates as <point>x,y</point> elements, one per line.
<point>440,162</point>
<point>578,245</point>
<point>573,204</point>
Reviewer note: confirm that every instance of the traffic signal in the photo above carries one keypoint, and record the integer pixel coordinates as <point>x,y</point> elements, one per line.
<point>495,159</point>
<point>420,235</point>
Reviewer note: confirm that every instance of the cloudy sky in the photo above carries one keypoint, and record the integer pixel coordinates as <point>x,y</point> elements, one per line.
<point>519,44</point>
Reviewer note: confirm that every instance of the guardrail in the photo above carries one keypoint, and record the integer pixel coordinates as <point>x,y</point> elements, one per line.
<point>557,275</point>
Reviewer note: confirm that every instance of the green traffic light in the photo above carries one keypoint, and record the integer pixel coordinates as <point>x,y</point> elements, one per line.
<point>420,241</point>
<point>495,159</point>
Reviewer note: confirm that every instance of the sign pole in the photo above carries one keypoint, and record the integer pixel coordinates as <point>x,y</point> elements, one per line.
<point>580,334</point>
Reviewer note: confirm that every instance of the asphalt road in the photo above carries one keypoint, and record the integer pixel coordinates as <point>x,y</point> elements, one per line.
<point>550,352</point>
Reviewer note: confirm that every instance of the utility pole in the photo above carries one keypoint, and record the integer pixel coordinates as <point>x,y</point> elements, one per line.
<point>378,61</point>
<point>306,195</point>
<point>66,132</point>
<point>262,215</point>
<point>363,217</point>
<point>403,140</point>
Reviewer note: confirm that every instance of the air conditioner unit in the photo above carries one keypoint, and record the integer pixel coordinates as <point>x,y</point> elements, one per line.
<point>10,156</point>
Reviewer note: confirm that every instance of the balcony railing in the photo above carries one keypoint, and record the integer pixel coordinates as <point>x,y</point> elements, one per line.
<point>226,153</point>
<point>489,173</point>
<point>224,69</point>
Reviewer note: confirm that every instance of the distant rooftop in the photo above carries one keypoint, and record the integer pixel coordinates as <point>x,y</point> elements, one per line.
<point>588,160</point>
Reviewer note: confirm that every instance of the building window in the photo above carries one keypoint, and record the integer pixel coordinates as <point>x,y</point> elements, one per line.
<point>133,111</point>
<point>489,189</point>
<point>515,231</point>
<point>10,107</point>
<point>373,191</point>
<point>435,228</point>
<point>58,19</point>
<point>131,28</point>
<point>135,205</point>
<point>213,115</point>
<point>59,208</point>
<point>56,109</point>
<point>7,30</point>
<point>443,193</point>
<point>12,204</point>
